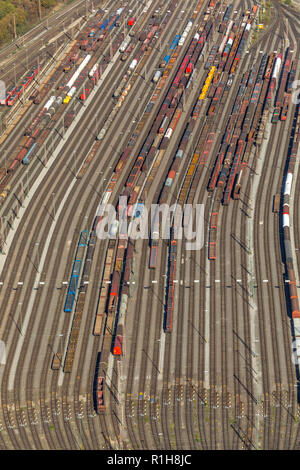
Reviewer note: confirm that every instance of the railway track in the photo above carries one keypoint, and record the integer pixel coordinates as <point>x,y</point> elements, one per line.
<point>277,443</point>
<point>59,407</point>
<point>154,369</point>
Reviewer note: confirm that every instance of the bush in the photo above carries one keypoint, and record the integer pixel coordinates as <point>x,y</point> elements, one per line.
<point>6,8</point>
<point>48,3</point>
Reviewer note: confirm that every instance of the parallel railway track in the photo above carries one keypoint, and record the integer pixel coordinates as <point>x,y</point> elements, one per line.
<point>65,421</point>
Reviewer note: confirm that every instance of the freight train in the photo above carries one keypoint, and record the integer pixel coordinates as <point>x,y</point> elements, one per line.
<point>293,299</point>
<point>145,158</point>
<point>71,293</point>
<point>170,294</point>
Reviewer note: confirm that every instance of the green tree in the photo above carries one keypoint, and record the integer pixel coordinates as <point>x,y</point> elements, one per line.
<point>26,15</point>
<point>6,8</point>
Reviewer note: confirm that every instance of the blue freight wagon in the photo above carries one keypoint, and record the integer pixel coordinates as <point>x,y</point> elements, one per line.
<point>114,23</point>
<point>73,284</point>
<point>71,293</point>
<point>26,159</point>
<point>175,42</point>
<point>69,302</point>
<point>83,238</point>
<point>104,24</point>
<point>76,267</point>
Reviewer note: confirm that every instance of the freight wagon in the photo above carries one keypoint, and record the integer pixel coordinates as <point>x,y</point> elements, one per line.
<point>286,103</point>
<point>56,361</point>
<point>168,323</point>
<point>175,42</point>
<point>71,293</point>
<point>117,350</point>
<point>165,61</point>
<point>125,44</point>
<point>156,76</point>
<point>135,172</point>
<point>276,203</point>
<point>291,77</point>
<point>131,21</point>
<point>153,254</point>
<point>30,154</point>
<point>276,115</point>
<point>100,394</point>
<point>104,288</point>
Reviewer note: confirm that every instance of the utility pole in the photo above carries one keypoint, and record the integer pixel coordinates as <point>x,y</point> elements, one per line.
<point>39,9</point>
<point>2,237</point>
<point>14,22</point>
<point>110,48</point>
<point>97,127</point>
<point>5,152</point>
<point>74,157</point>
<point>183,100</point>
<point>53,203</point>
<point>22,192</point>
<point>86,9</point>
<point>38,258</point>
<point>120,393</point>
<point>17,210</point>
<point>27,177</point>
<point>72,29</point>
<point>20,314</point>
<point>45,155</point>
<point>37,76</point>
<point>11,219</point>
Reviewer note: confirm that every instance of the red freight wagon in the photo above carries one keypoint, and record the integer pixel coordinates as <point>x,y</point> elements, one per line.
<point>131,21</point>
<point>100,394</point>
<point>118,346</point>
